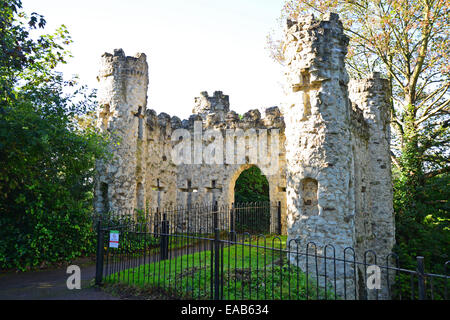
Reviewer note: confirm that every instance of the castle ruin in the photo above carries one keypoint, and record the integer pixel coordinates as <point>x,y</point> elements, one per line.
<point>333,168</point>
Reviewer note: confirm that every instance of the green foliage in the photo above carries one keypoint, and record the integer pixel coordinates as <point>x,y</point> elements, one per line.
<point>251,186</point>
<point>421,213</point>
<point>47,160</point>
<point>422,226</point>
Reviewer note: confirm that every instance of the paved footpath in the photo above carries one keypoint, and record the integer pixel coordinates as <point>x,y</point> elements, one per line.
<point>50,285</point>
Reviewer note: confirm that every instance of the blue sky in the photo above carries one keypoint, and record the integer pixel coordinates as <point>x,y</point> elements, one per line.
<point>192,46</point>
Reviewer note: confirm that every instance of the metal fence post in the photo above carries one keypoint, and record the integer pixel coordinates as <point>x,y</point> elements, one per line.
<point>279,217</point>
<point>164,250</point>
<point>215,216</point>
<point>99,258</point>
<point>155,222</point>
<point>232,224</point>
<point>231,218</point>
<point>216,264</point>
<point>421,277</point>
<point>216,252</point>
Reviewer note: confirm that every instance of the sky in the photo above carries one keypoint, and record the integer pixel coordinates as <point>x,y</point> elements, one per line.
<point>191,46</point>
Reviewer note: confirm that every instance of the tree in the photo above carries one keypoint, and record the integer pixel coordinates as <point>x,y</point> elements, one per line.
<point>47,157</point>
<point>408,42</point>
<point>251,186</point>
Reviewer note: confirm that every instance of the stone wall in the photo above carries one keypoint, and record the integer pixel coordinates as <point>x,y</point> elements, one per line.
<point>149,176</point>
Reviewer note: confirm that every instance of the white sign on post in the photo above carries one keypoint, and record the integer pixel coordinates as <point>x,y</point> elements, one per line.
<point>114,239</point>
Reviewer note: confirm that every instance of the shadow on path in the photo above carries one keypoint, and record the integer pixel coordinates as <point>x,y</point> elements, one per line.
<point>50,285</point>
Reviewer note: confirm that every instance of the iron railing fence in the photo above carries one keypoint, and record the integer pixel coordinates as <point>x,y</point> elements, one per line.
<point>226,264</point>
<point>252,217</point>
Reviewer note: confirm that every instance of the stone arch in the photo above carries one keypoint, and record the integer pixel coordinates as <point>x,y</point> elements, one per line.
<point>277,193</point>
<point>233,178</point>
<point>249,193</point>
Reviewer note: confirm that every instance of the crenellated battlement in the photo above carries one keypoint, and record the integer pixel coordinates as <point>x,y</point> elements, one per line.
<point>230,120</point>
<point>205,104</point>
<point>314,51</point>
<point>120,64</point>
<point>123,85</point>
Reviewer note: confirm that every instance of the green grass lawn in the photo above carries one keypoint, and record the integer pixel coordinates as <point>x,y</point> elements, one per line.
<point>249,272</point>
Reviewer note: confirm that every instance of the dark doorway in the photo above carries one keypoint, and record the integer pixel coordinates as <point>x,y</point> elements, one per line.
<point>252,202</point>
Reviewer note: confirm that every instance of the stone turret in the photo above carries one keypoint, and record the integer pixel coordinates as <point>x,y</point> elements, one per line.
<point>123,84</point>
<point>339,187</point>
<point>375,227</point>
<point>218,103</point>
<point>318,138</point>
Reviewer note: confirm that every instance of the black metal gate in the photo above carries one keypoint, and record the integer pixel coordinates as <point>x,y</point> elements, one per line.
<point>161,235</point>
